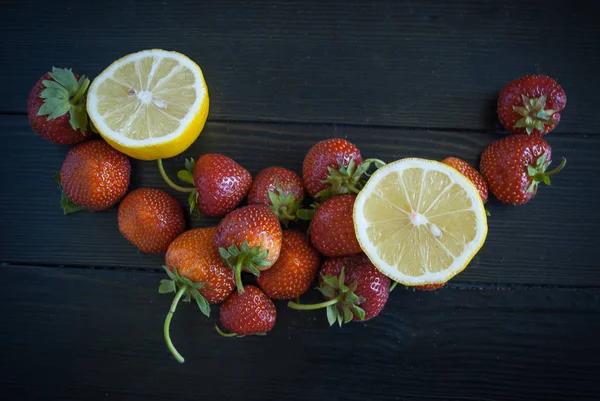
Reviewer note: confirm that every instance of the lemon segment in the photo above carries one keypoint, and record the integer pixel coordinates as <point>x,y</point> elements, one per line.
<point>149,105</point>
<point>419,221</point>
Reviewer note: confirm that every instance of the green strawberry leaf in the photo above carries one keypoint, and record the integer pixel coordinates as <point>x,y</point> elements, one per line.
<point>201,302</point>
<point>185,176</point>
<point>67,205</point>
<point>331,314</point>
<point>190,164</point>
<point>166,286</point>
<point>65,77</point>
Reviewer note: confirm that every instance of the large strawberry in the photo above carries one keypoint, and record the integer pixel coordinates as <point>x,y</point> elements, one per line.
<point>56,107</point>
<point>220,184</point>
<point>279,188</point>
<point>150,219</point>
<point>295,269</point>
<point>334,167</point>
<point>332,227</point>
<point>195,270</point>
<point>353,288</point>
<point>473,175</point>
<point>249,238</point>
<point>531,105</point>
<point>514,166</point>
<point>94,176</point>
<point>250,313</point>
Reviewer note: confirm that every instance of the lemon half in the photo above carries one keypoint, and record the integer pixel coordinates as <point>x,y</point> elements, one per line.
<point>419,221</point>
<point>149,105</point>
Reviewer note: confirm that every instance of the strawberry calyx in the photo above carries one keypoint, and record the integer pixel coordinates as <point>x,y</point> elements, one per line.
<point>67,204</point>
<point>65,94</point>
<point>342,304</point>
<point>534,115</point>
<point>244,257</point>
<point>186,289</point>
<point>284,205</point>
<point>186,176</point>
<point>346,180</point>
<point>538,172</point>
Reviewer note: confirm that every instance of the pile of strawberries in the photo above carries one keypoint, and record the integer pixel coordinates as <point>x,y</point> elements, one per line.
<point>206,264</point>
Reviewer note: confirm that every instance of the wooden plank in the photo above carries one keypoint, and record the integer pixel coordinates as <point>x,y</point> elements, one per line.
<point>97,334</point>
<point>425,63</point>
<point>551,240</point>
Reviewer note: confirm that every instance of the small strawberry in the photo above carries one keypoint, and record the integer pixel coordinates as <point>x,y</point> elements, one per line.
<point>56,107</point>
<point>334,167</point>
<point>150,219</point>
<point>353,287</point>
<point>473,175</point>
<point>295,269</point>
<point>249,238</point>
<point>250,313</point>
<point>195,270</point>
<point>220,184</point>
<point>332,228</point>
<point>279,188</point>
<point>531,105</point>
<point>94,176</point>
<point>515,165</point>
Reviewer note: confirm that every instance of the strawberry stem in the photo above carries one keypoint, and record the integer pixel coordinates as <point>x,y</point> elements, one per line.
<point>320,305</point>
<point>238,276</point>
<point>167,324</point>
<point>221,332</point>
<point>168,180</point>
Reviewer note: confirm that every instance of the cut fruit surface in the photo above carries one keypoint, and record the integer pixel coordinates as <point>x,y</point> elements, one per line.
<point>419,221</point>
<point>149,105</point>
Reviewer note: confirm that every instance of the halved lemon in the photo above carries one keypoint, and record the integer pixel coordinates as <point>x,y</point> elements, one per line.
<point>149,105</point>
<point>419,221</point>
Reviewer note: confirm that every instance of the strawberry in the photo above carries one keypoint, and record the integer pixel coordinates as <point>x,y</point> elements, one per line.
<point>195,270</point>
<point>249,238</point>
<point>94,176</point>
<point>531,105</point>
<point>430,287</point>
<point>353,288</point>
<point>150,219</point>
<point>295,269</point>
<point>334,167</point>
<point>473,175</point>
<point>515,165</point>
<point>220,184</point>
<point>332,228</point>
<point>279,188</point>
<point>56,107</point>
<point>249,313</point>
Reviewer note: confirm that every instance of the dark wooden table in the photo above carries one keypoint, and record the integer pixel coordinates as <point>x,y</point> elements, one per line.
<point>81,316</point>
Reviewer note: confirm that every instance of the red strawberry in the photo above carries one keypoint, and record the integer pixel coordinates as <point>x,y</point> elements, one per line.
<point>531,105</point>
<point>280,188</point>
<point>249,313</point>
<point>196,271</point>
<point>430,287</point>
<point>220,184</point>
<point>353,287</point>
<point>150,219</point>
<point>93,176</point>
<point>249,238</point>
<point>473,175</point>
<point>56,107</point>
<point>515,165</point>
<point>332,228</point>
<point>330,168</point>
<point>295,269</point>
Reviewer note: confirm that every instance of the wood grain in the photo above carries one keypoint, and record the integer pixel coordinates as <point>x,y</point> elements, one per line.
<point>97,335</point>
<point>425,63</point>
<point>551,240</point>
